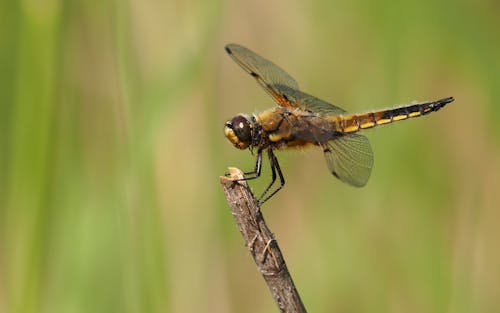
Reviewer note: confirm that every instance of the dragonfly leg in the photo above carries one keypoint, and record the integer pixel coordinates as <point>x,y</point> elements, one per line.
<point>256,171</point>
<point>275,168</point>
<point>258,166</point>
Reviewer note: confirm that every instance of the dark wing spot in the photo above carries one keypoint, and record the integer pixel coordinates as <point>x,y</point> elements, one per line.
<point>327,150</point>
<point>227,50</point>
<point>254,74</point>
<point>336,175</point>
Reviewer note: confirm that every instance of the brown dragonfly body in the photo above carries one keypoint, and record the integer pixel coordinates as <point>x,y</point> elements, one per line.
<point>302,120</point>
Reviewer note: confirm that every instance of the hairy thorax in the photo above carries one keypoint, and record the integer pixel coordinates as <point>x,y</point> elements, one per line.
<point>284,127</point>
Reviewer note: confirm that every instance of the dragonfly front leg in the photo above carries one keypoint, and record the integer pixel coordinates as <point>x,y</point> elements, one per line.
<point>256,171</point>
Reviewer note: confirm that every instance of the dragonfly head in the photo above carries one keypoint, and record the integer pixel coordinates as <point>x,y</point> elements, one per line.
<point>239,131</point>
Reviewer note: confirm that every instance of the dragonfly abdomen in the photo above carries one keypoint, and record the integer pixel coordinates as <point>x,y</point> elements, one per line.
<point>357,122</point>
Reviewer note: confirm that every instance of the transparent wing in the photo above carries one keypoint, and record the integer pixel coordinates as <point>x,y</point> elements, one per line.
<point>349,158</point>
<point>278,83</point>
<point>309,103</point>
<point>267,74</point>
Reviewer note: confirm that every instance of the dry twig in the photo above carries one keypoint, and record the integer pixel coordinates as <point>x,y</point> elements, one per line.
<point>261,242</point>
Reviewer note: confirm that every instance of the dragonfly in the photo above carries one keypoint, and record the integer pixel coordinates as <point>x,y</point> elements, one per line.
<point>301,120</point>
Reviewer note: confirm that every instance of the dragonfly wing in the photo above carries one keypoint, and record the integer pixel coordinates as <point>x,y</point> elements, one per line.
<point>278,83</point>
<point>267,74</point>
<point>309,103</point>
<point>349,158</point>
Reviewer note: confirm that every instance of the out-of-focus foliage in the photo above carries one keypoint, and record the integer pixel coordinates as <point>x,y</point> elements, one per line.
<point>111,145</point>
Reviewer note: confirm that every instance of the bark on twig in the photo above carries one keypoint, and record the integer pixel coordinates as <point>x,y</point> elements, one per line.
<point>261,242</point>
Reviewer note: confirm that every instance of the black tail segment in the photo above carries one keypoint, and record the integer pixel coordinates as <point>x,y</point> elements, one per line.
<point>412,110</point>
<point>357,122</point>
<point>434,105</point>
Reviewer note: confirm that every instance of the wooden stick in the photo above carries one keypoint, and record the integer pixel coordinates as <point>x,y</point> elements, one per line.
<point>261,242</point>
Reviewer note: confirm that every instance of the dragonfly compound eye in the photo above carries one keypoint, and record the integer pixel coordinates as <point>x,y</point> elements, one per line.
<point>242,129</point>
<point>239,132</point>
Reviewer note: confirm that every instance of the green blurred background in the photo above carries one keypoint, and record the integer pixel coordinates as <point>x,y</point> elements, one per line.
<point>111,146</point>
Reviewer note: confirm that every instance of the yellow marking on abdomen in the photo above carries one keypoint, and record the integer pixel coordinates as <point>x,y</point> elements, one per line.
<point>347,124</point>
<point>399,117</point>
<point>366,120</point>
<point>354,123</point>
<point>383,121</point>
<point>350,129</point>
<point>367,125</point>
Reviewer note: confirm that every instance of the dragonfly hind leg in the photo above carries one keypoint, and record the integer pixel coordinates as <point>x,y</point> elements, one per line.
<point>275,168</point>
